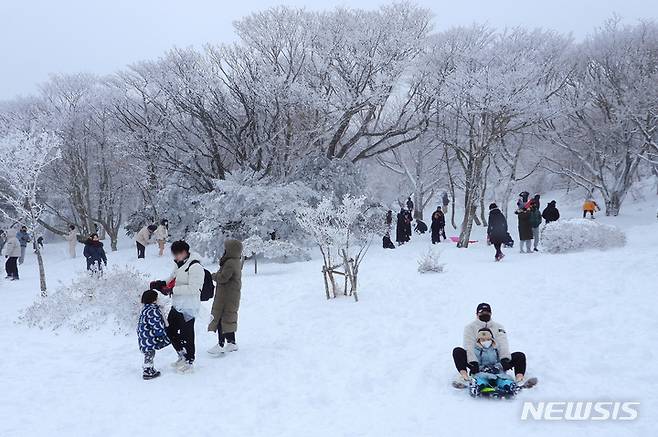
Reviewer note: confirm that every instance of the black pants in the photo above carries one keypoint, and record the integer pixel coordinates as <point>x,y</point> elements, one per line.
<point>140,249</point>
<point>228,337</point>
<point>181,334</point>
<point>497,245</point>
<point>11,267</point>
<point>591,213</point>
<point>517,362</point>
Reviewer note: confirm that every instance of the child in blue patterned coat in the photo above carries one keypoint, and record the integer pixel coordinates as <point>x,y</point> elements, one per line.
<point>151,332</point>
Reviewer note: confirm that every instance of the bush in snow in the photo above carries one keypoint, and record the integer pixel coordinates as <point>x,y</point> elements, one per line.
<point>343,230</point>
<point>430,262</point>
<point>92,301</point>
<point>277,250</point>
<point>241,207</point>
<point>578,234</point>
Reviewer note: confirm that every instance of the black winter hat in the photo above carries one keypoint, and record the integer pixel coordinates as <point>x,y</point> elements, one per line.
<point>483,307</point>
<point>493,206</point>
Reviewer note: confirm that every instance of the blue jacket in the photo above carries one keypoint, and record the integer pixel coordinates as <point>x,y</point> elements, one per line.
<point>151,333</point>
<point>488,357</point>
<point>94,252</point>
<point>23,237</point>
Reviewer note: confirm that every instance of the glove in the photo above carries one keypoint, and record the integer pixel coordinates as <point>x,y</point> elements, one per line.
<point>474,366</point>
<point>506,363</point>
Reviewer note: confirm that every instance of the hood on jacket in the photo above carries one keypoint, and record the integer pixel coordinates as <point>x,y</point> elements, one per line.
<point>233,248</point>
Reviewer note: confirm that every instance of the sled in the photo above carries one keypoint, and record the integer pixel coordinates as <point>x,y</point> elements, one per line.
<point>492,393</point>
<point>456,240</point>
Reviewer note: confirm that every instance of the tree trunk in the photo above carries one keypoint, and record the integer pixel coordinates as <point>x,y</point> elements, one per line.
<point>42,273</point>
<point>613,205</point>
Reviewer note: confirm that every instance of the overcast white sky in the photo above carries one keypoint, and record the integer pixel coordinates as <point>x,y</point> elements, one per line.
<point>38,37</point>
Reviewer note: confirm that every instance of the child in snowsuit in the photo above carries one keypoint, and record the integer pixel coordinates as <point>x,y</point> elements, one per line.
<point>151,333</point>
<point>491,376</point>
<point>590,206</point>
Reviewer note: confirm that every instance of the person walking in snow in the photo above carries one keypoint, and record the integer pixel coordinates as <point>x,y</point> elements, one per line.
<point>72,240</point>
<point>497,230</point>
<point>226,304</point>
<point>188,278</point>
<point>408,219</point>
<point>525,230</point>
<point>143,238</point>
<point>94,254</point>
<point>445,201</point>
<point>551,213</point>
<point>161,234</point>
<point>23,238</point>
<point>465,357</point>
<point>535,222</point>
<point>438,225</point>
<point>151,332</point>
<point>389,219</point>
<point>590,206</point>
<point>12,252</point>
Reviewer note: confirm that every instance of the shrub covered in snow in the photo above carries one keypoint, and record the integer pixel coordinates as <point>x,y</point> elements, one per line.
<point>91,302</point>
<point>429,262</point>
<point>578,234</point>
<point>277,250</point>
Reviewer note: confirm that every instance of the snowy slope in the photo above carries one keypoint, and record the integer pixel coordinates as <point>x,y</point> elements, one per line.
<point>381,367</point>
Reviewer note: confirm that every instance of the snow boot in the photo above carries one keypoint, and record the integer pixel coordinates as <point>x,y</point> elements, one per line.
<point>186,367</point>
<point>150,373</point>
<point>216,350</point>
<point>179,362</point>
<point>229,347</point>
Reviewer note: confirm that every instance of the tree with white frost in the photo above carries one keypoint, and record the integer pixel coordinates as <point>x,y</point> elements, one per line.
<point>343,231</point>
<point>23,159</point>
<point>255,246</point>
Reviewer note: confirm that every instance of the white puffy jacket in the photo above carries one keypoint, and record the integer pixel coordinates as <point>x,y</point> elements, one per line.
<point>161,233</point>
<point>12,247</point>
<point>499,335</point>
<point>186,296</point>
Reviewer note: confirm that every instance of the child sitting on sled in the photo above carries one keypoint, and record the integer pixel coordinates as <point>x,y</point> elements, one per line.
<point>491,378</point>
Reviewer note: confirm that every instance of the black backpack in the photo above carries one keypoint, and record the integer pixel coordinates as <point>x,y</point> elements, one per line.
<point>208,289</point>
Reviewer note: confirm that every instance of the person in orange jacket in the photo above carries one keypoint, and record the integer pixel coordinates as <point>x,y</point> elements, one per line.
<point>590,206</point>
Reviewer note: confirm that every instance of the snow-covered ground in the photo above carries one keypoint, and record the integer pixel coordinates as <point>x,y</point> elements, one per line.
<point>380,367</point>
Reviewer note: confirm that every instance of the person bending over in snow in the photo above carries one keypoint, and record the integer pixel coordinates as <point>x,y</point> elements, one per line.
<point>590,206</point>
<point>227,298</point>
<point>151,332</point>
<point>465,357</point>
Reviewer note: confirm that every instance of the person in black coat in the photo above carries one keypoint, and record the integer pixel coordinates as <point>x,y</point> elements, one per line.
<point>387,243</point>
<point>551,213</point>
<point>525,229</point>
<point>497,230</point>
<point>408,218</point>
<point>438,225</point>
<point>94,253</point>
<point>410,204</point>
<point>401,236</point>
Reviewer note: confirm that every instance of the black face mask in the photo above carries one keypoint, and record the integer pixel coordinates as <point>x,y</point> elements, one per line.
<point>484,317</point>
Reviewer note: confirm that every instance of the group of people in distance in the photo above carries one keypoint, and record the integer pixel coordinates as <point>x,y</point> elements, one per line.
<point>406,217</point>
<point>161,324</point>
<point>529,221</point>
<point>152,234</point>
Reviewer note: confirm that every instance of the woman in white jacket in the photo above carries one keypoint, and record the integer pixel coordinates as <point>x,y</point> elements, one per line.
<point>189,275</point>
<point>72,239</point>
<point>12,254</point>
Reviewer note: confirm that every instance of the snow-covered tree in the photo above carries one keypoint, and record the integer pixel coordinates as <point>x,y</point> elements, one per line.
<point>343,231</point>
<point>255,246</point>
<point>24,158</point>
<point>607,124</point>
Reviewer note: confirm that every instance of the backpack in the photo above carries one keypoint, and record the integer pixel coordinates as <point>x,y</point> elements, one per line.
<point>208,289</point>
